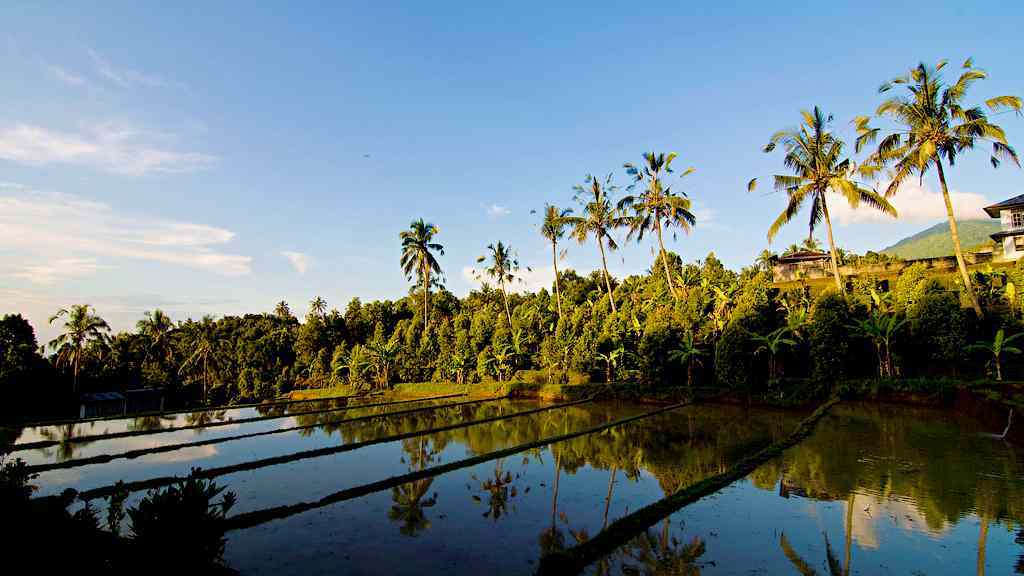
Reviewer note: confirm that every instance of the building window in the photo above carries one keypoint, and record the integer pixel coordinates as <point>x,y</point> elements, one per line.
<point>1018,243</point>
<point>1017,219</point>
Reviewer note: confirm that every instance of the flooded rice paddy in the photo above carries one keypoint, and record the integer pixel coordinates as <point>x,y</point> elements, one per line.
<point>321,490</point>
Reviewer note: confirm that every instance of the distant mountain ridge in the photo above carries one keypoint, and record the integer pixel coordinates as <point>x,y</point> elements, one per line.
<point>934,241</point>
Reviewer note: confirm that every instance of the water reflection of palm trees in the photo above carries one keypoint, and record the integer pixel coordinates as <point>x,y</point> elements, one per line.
<point>651,553</point>
<point>66,436</point>
<point>409,500</point>
<point>499,489</point>
<point>801,565</point>
<point>205,417</point>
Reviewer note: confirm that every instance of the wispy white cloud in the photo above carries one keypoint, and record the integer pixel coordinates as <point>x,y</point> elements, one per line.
<point>112,148</point>
<point>915,203</point>
<point>67,233</point>
<point>299,261</point>
<point>495,211</point>
<point>55,270</point>
<point>126,77</point>
<point>66,76</point>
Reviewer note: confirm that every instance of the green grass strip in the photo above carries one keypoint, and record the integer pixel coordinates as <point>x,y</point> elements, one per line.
<point>61,422</point>
<point>158,482</point>
<point>130,433</point>
<point>256,517</point>
<point>620,532</point>
<point>104,458</point>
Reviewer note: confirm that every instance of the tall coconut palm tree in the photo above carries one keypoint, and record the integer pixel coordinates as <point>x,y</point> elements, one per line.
<point>553,228</point>
<point>503,267</point>
<point>418,258</point>
<point>600,218</point>
<point>815,156</point>
<point>934,124</point>
<point>156,327</point>
<point>207,350</point>
<point>81,326</point>
<point>657,206</point>
<point>282,311</point>
<point>318,307</point>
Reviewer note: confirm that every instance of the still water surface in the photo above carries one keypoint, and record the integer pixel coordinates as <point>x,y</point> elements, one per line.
<point>889,490</point>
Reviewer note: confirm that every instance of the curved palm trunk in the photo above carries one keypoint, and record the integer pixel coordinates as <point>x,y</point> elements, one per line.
<point>74,377</point>
<point>604,267</point>
<point>554,496</point>
<point>608,499</point>
<point>664,259</point>
<point>206,379</point>
<point>832,245</point>
<point>954,233</point>
<point>508,312</point>
<point>982,539</point>
<point>849,533</point>
<point>426,296</point>
<point>558,290</point>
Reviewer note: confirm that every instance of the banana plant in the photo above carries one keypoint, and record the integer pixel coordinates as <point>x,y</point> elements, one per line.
<point>611,362</point>
<point>773,343</point>
<point>880,328</point>
<point>688,354</point>
<point>997,347</point>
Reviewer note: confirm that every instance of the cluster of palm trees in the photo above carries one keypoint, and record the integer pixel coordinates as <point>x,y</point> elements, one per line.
<point>652,206</point>
<point>930,125</point>
<point>84,332</point>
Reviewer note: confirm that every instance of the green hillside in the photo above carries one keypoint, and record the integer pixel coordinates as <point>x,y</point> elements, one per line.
<point>935,241</point>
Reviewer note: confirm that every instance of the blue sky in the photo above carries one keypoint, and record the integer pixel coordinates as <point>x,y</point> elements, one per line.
<point>216,158</point>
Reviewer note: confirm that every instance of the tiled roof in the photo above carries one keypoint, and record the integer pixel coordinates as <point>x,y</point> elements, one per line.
<point>994,209</point>
<point>803,256</point>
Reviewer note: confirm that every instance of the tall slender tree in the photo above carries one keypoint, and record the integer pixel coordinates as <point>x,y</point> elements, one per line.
<point>156,327</point>
<point>418,258</point>
<point>553,228</point>
<point>207,350</point>
<point>503,267</point>
<point>600,219</point>
<point>282,311</point>
<point>932,124</point>
<point>815,157</point>
<point>318,307</point>
<point>81,326</point>
<point>657,206</point>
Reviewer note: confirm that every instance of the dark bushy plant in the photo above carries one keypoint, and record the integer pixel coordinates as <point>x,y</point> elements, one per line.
<point>938,325</point>
<point>186,515</point>
<point>656,369</point>
<point>734,358</point>
<point>829,337</point>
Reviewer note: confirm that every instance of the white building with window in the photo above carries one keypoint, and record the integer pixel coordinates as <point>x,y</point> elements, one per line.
<point>1011,216</point>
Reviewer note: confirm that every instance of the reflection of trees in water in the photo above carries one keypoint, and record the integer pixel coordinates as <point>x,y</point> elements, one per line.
<point>652,553</point>
<point>928,458</point>
<point>66,437</point>
<point>1019,568</point>
<point>149,423</point>
<point>205,417</point>
<point>498,488</point>
<point>920,456</point>
<point>409,500</point>
<point>801,565</point>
